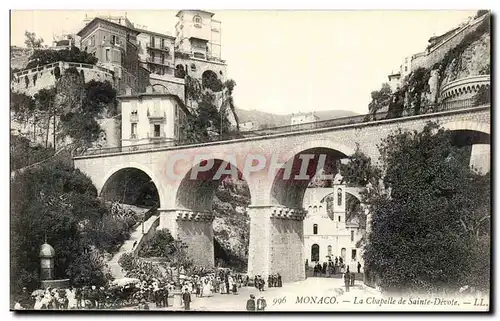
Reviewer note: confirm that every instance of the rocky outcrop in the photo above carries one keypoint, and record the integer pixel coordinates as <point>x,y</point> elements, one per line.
<point>473,61</point>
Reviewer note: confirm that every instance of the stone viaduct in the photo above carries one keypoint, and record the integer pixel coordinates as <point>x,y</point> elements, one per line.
<point>276,213</point>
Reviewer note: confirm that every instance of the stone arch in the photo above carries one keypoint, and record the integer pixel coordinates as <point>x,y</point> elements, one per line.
<point>288,188</point>
<point>128,184</point>
<point>197,194</point>
<point>160,88</point>
<point>180,72</point>
<point>315,253</point>
<point>209,79</point>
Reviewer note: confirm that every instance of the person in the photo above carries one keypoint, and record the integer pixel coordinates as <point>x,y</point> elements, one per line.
<point>270,280</point>
<point>18,306</point>
<point>359,267</point>
<point>353,277</point>
<point>261,304</point>
<point>165,296</point>
<point>347,279</point>
<point>251,303</point>
<point>186,298</point>
<point>279,281</point>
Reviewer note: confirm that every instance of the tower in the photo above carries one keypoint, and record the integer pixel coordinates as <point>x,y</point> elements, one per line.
<point>199,34</point>
<point>339,201</point>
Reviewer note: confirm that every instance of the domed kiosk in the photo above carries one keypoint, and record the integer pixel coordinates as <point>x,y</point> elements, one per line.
<point>47,255</point>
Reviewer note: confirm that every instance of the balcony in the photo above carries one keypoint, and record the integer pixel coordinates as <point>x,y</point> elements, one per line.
<point>158,61</point>
<point>153,137</point>
<point>152,47</point>
<point>133,136</point>
<point>156,116</point>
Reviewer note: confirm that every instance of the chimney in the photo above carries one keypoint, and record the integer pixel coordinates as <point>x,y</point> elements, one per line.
<point>149,90</point>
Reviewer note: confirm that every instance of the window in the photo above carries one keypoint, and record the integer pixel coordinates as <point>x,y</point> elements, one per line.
<point>315,229</point>
<point>353,254</point>
<point>157,131</point>
<point>152,56</point>
<point>339,197</point>
<point>197,20</point>
<point>339,218</point>
<point>163,59</point>
<point>152,44</point>
<point>329,250</point>
<point>133,129</point>
<point>315,253</point>
<point>193,67</point>
<point>92,40</point>
<point>107,55</point>
<point>113,39</point>
<point>163,44</point>
<point>352,236</point>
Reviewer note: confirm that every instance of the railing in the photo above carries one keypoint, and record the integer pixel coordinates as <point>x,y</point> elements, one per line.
<point>366,118</point>
<point>62,64</point>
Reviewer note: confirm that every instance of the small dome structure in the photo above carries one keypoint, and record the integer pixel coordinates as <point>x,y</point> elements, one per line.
<point>47,251</point>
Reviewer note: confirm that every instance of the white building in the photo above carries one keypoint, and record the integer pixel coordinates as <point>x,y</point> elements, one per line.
<point>151,117</point>
<point>248,126</point>
<point>303,118</point>
<point>326,232</point>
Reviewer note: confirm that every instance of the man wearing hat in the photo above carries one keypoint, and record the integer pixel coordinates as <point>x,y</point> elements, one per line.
<point>261,304</point>
<point>186,298</point>
<point>251,303</point>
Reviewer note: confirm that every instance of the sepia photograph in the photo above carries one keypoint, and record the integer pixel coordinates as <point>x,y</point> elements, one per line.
<point>202,160</point>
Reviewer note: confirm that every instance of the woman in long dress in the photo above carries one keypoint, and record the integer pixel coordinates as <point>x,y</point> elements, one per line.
<point>207,291</point>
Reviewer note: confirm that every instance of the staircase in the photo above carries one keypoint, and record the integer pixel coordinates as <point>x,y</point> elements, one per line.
<point>150,224</point>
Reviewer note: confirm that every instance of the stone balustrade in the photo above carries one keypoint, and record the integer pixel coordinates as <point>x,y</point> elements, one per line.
<point>464,87</point>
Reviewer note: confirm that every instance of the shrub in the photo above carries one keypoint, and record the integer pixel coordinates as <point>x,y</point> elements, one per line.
<point>160,245</point>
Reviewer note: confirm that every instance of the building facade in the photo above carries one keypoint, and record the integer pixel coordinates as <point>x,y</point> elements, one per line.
<point>115,47</point>
<point>327,234</point>
<point>150,117</point>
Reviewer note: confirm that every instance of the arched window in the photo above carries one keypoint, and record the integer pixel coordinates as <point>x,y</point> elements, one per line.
<point>339,197</point>
<point>315,253</point>
<point>197,20</point>
<point>315,229</point>
<point>329,250</point>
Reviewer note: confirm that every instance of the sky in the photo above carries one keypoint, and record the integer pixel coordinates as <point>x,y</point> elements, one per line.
<point>289,61</point>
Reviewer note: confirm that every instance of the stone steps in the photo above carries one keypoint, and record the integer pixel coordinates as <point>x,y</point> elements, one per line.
<point>128,246</point>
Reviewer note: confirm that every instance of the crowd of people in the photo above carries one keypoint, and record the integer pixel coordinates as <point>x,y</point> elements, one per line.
<point>138,292</point>
<point>332,267</point>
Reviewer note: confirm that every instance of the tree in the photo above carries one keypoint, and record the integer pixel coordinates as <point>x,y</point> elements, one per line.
<point>44,99</point>
<point>432,217</point>
<point>42,57</point>
<point>380,99</point>
<point>31,41</point>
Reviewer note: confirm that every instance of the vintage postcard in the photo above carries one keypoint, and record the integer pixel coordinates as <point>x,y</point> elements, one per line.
<point>253,161</point>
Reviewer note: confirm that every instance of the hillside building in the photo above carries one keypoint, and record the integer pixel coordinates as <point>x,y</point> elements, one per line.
<point>303,118</point>
<point>151,118</point>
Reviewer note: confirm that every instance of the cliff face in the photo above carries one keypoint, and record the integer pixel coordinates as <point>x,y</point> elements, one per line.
<point>473,61</point>
<point>422,88</point>
<point>232,224</point>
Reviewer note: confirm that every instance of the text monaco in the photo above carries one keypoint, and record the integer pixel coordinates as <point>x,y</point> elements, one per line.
<point>252,163</point>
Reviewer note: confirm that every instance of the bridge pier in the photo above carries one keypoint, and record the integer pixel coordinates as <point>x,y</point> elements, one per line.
<point>195,230</point>
<point>276,242</point>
